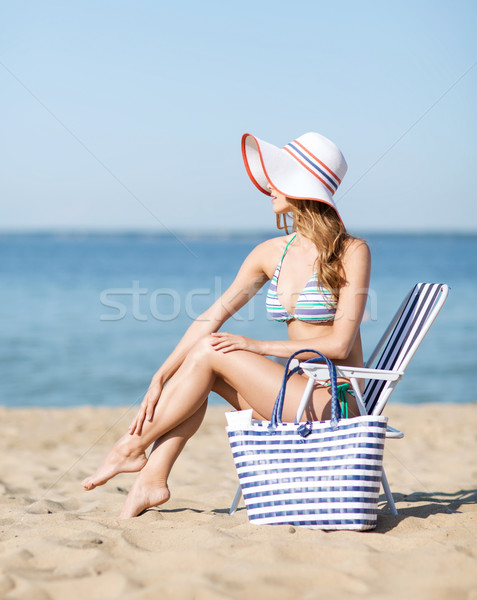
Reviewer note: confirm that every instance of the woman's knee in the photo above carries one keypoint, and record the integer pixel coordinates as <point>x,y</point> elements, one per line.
<point>202,351</point>
<point>204,354</point>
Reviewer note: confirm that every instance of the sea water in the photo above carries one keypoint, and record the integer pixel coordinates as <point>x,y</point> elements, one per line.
<point>88,318</point>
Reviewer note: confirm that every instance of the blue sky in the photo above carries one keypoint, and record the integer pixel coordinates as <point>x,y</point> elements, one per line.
<point>122,115</point>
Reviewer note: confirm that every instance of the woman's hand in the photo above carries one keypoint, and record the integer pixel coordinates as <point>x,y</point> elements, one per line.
<point>228,342</point>
<point>148,405</point>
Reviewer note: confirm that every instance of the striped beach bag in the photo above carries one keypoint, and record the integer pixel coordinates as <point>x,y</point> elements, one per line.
<point>320,474</point>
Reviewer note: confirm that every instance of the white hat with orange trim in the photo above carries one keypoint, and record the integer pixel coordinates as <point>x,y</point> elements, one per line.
<point>311,167</point>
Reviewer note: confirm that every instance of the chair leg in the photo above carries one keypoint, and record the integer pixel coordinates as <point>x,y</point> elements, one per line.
<point>305,399</point>
<point>389,496</point>
<point>236,500</point>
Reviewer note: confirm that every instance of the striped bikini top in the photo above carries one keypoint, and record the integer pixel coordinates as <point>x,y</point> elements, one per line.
<point>315,304</point>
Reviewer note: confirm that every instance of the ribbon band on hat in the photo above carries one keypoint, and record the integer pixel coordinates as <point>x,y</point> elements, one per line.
<point>323,173</point>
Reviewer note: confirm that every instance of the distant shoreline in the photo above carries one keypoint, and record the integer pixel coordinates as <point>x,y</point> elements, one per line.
<point>200,235</point>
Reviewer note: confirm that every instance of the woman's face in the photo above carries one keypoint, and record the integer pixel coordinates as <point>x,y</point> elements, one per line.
<point>280,202</point>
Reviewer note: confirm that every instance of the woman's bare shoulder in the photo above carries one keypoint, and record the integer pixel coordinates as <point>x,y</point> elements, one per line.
<point>356,248</point>
<point>269,249</point>
<point>357,261</point>
<point>268,253</point>
<point>275,243</point>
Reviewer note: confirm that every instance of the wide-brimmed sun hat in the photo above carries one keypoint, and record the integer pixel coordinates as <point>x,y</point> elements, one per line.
<point>311,167</point>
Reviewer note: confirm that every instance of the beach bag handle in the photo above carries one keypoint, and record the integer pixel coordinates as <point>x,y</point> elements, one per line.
<point>335,406</point>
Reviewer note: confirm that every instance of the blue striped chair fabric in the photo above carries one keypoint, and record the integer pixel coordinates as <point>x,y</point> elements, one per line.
<point>412,322</point>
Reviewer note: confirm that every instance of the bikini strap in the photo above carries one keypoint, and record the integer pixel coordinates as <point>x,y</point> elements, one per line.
<point>286,248</point>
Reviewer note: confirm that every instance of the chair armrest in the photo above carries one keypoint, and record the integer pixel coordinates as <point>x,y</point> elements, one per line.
<point>317,371</point>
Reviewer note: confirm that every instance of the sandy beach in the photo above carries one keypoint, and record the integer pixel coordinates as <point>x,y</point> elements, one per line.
<point>60,542</point>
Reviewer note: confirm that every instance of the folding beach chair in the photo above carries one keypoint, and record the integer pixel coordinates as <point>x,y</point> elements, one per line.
<point>400,341</point>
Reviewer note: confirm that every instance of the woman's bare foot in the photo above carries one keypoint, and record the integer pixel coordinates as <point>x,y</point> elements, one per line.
<point>122,458</point>
<point>144,495</point>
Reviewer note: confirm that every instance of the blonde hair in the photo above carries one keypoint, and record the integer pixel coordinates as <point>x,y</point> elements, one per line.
<point>320,223</point>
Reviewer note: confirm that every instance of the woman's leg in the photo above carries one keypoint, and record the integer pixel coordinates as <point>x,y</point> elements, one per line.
<point>128,454</point>
<point>150,488</point>
<point>255,378</point>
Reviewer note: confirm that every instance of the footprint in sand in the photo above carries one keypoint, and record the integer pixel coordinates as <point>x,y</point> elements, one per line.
<point>81,541</point>
<point>7,490</point>
<point>6,584</point>
<point>44,506</point>
<point>27,590</point>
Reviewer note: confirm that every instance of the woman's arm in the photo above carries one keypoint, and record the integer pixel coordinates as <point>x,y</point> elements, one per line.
<point>250,278</point>
<point>337,340</point>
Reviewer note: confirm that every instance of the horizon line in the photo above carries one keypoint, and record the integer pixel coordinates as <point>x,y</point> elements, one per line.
<point>70,231</point>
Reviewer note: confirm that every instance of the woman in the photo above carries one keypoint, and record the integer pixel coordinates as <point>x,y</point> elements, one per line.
<point>319,282</point>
